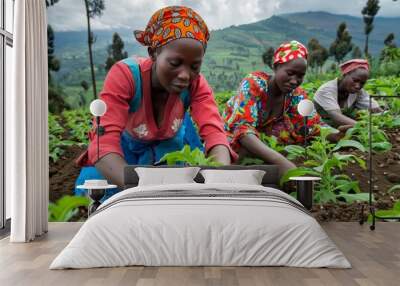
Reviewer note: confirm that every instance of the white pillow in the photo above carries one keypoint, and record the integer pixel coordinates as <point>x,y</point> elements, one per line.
<point>165,176</point>
<point>249,177</point>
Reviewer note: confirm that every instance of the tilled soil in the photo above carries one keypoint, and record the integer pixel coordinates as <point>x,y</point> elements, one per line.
<point>386,173</point>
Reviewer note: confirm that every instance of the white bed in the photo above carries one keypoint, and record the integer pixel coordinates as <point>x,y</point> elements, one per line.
<point>201,224</point>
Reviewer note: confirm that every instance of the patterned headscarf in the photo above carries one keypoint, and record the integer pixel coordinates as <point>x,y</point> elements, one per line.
<point>354,64</point>
<point>287,52</point>
<point>171,23</point>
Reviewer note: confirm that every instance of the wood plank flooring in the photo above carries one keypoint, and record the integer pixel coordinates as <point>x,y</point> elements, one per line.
<point>375,257</point>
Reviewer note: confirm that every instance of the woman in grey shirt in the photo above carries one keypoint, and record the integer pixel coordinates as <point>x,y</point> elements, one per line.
<point>335,100</point>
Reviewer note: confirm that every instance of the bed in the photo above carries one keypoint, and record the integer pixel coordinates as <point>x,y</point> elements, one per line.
<point>201,224</point>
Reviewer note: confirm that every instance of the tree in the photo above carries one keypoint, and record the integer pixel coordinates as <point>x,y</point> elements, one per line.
<point>389,41</point>
<point>51,2</point>
<point>52,62</point>
<point>390,55</point>
<point>85,87</point>
<point>356,53</point>
<point>267,56</point>
<point>93,8</point>
<point>369,11</point>
<point>317,54</point>
<point>342,44</point>
<point>55,93</point>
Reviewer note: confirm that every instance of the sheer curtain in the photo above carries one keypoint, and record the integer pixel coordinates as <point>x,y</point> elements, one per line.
<point>26,124</point>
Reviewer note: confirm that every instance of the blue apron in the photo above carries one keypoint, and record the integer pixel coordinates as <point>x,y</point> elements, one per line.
<point>146,152</point>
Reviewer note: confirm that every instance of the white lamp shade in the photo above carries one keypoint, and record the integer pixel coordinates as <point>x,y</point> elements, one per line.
<point>98,107</point>
<point>305,107</point>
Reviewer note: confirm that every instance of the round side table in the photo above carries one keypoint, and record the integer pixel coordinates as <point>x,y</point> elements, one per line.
<point>95,193</point>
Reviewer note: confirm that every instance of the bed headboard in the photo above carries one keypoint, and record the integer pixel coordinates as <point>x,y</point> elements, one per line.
<point>270,179</point>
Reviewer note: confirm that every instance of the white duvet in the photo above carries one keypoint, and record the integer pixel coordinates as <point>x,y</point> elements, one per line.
<point>222,225</point>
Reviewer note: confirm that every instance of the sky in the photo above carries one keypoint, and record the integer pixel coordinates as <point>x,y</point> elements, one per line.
<point>69,15</point>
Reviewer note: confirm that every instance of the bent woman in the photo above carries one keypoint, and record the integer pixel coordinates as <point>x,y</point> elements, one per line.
<point>148,100</point>
<point>268,104</point>
<point>336,100</point>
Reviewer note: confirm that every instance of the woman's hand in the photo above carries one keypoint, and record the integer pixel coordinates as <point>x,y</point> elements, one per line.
<point>112,166</point>
<point>376,110</point>
<point>285,165</point>
<point>256,148</point>
<point>221,154</point>
<point>335,137</point>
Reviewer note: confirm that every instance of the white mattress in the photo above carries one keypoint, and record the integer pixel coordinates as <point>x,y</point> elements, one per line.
<point>219,227</point>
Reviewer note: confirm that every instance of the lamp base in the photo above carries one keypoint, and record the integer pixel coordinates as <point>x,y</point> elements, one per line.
<point>96,195</point>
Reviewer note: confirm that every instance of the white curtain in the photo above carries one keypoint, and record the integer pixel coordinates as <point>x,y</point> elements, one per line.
<point>26,124</point>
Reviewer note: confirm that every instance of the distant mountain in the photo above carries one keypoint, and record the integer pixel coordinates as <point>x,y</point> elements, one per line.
<point>231,51</point>
<point>327,24</point>
<point>303,27</point>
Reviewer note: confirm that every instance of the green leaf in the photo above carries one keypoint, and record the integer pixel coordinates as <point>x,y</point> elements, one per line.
<point>385,214</point>
<point>397,206</point>
<point>394,188</point>
<point>396,122</point>
<point>350,198</point>
<point>341,177</point>
<point>382,146</point>
<point>297,172</point>
<point>324,196</point>
<point>349,144</point>
<point>251,161</point>
<point>346,186</point>
<point>294,151</point>
<point>192,158</point>
<point>66,207</point>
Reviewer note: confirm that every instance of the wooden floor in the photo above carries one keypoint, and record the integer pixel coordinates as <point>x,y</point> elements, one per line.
<point>375,257</point>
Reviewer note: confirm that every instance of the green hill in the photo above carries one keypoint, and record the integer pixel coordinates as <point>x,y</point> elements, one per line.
<point>232,52</point>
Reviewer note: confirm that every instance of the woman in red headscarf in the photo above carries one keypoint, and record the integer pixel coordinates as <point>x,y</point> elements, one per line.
<point>268,104</point>
<point>337,99</point>
<point>148,100</point>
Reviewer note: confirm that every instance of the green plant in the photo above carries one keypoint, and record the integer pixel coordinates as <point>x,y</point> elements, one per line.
<point>78,124</point>
<point>361,133</point>
<point>189,157</point>
<point>221,98</point>
<point>66,207</point>
<point>56,143</point>
<point>251,161</point>
<point>383,86</point>
<point>394,212</point>
<point>311,87</point>
<point>272,142</point>
<point>54,126</point>
<point>394,188</point>
<point>395,106</point>
<point>324,161</point>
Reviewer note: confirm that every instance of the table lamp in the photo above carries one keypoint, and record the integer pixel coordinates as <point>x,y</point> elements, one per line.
<point>98,108</point>
<point>96,188</point>
<point>305,185</point>
<point>305,109</point>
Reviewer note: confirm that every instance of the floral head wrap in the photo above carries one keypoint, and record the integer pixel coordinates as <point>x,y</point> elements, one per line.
<point>287,52</point>
<point>171,23</point>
